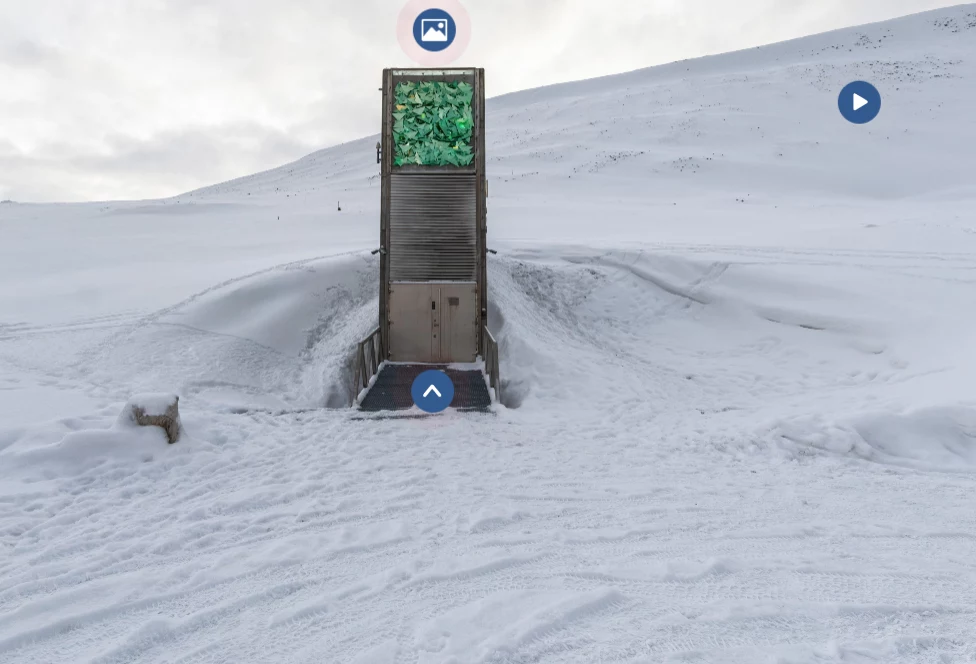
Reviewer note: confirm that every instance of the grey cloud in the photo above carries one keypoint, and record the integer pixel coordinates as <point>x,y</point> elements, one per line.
<point>28,54</point>
<point>163,165</point>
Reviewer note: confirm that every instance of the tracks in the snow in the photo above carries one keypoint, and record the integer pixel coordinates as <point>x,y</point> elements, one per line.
<point>641,520</point>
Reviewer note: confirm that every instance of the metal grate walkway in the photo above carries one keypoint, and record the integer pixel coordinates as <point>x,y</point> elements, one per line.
<point>391,391</point>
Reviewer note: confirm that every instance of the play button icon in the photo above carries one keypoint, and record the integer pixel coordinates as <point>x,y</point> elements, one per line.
<point>859,102</point>
<point>432,391</point>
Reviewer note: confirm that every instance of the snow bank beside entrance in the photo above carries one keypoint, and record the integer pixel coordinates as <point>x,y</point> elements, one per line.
<point>74,447</point>
<point>939,438</point>
<point>79,452</point>
<point>936,436</point>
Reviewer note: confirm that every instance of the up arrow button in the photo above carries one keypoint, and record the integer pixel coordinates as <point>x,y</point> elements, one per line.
<point>432,391</point>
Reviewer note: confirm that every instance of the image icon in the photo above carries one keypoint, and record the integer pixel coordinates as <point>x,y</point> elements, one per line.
<point>434,30</point>
<point>433,33</point>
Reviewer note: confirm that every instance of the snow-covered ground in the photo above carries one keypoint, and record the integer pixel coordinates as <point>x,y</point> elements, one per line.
<point>737,359</point>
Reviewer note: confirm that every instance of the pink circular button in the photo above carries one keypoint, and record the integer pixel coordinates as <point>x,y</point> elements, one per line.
<point>420,55</point>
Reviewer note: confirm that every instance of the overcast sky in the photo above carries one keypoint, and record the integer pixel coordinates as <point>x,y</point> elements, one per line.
<point>110,99</point>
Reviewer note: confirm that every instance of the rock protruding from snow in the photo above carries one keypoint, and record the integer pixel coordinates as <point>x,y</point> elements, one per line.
<point>159,410</point>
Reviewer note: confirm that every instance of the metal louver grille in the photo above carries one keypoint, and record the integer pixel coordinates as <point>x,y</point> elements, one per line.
<point>433,227</point>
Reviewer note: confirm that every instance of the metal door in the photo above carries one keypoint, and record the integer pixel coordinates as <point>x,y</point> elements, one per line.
<point>434,322</point>
<point>411,323</point>
<point>457,320</point>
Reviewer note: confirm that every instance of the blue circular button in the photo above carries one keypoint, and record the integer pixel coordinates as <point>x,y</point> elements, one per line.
<point>434,30</point>
<point>432,391</point>
<point>859,102</point>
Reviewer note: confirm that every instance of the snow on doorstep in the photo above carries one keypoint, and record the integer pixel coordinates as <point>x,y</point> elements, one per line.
<point>738,410</point>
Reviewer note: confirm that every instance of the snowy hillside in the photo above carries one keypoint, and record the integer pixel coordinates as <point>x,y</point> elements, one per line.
<point>739,422</point>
